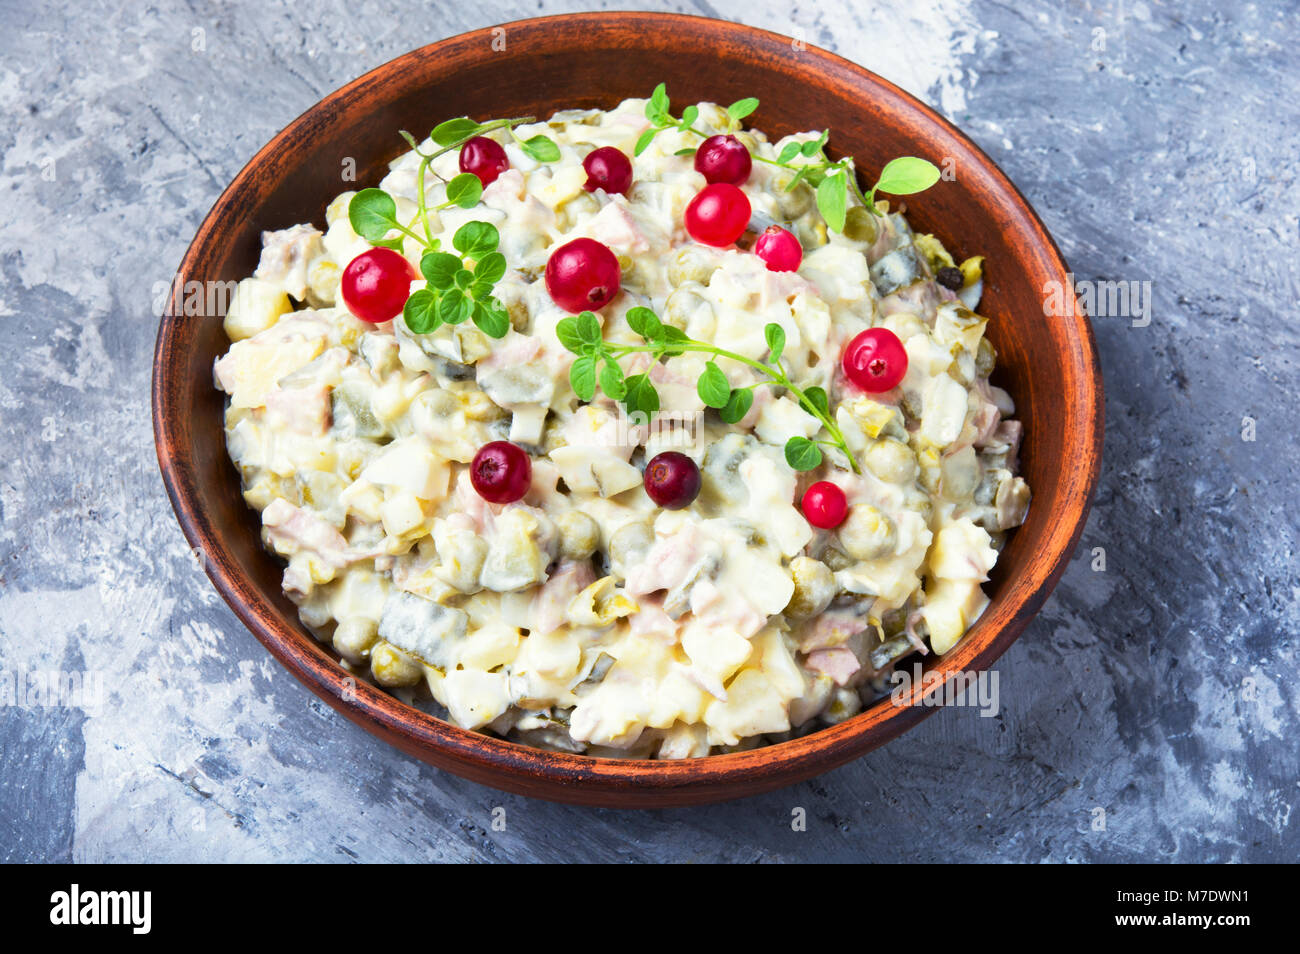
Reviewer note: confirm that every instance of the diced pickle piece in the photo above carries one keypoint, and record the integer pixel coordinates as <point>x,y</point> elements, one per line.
<point>353,414</point>
<point>423,628</point>
<point>898,269</point>
<point>888,651</point>
<point>519,552</point>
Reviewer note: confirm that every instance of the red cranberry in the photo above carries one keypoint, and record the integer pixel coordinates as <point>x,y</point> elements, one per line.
<point>779,249</point>
<point>875,360</point>
<point>824,505</point>
<point>484,157</point>
<point>717,215</point>
<point>582,275</point>
<point>723,159</point>
<point>607,169</point>
<point>501,472</point>
<point>672,480</point>
<point>376,284</point>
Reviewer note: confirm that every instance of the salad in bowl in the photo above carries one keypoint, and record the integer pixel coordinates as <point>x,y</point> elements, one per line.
<point>626,433</point>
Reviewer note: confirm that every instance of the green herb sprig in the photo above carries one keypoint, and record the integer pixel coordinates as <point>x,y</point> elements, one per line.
<point>459,286</point>
<point>832,181</point>
<point>656,110</point>
<point>597,365</point>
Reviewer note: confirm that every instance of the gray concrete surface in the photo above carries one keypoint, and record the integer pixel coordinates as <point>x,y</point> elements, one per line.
<point>1149,713</point>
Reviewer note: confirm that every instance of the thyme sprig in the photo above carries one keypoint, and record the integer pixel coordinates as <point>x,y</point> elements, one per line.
<point>597,366</point>
<point>459,286</point>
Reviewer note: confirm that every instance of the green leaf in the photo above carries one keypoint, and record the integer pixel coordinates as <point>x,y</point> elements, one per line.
<point>465,190</point>
<point>688,151</point>
<point>833,200</point>
<point>454,307</point>
<point>491,268</point>
<point>713,388</point>
<point>641,395</point>
<point>689,115</point>
<point>439,269</point>
<point>476,239</point>
<point>798,177</point>
<point>802,454</point>
<point>567,331</point>
<point>817,398</point>
<point>541,148</point>
<point>737,405</point>
<point>421,312</point>
<point>454,131</point>
<point>372,213</point>
<point>644,140</point>
<point>589,328</point>
<point>492,319</point>
<point>813,146</point>
<point>670,339</point>
<point>742,107</point>
<point>582,377</point>
<point>656,110</point>
<point>464,278</point>
<point>775,336</point>
<point>612,381</point>
<point>907,175</point>
<point>637,317</point>
<point>652,328</point>
<point>480,290</point>
<point>788,152</point>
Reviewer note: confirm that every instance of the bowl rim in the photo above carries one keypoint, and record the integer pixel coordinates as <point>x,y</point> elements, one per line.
<point>631,782</point>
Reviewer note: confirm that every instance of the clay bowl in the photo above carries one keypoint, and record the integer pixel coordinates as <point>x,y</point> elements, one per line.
<point>1049,365</point>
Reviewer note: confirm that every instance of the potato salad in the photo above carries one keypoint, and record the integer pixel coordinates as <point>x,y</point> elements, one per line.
<point>624,433</point>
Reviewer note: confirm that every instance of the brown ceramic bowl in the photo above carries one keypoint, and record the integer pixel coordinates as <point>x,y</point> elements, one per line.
<point>1049,365</point>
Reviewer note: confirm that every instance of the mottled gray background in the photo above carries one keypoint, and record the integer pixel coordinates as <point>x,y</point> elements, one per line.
<point>1157,140</point>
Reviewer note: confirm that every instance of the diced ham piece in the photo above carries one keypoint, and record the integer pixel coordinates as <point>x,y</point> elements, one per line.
<point>831,630</point>
<point>553,597</point>
<point>304,410</point>
<point>285,255</point>
<point>293,529</point>
<point>516,350</point>
<point>614,227</point>
<point>670,563</point>
<point>840,664</point>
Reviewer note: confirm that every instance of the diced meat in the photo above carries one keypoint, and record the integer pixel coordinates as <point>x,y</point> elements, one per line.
<point>614,226</point>
<point>285,256</point>
<point>840,664</point>
<point>304,410</point>
<point>554,596</point>
<point>293,529</point>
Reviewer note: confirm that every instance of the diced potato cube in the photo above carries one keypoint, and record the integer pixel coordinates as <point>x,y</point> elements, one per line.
<point>402,514</point>
<point>411,465</point>
<point>257,305</point>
